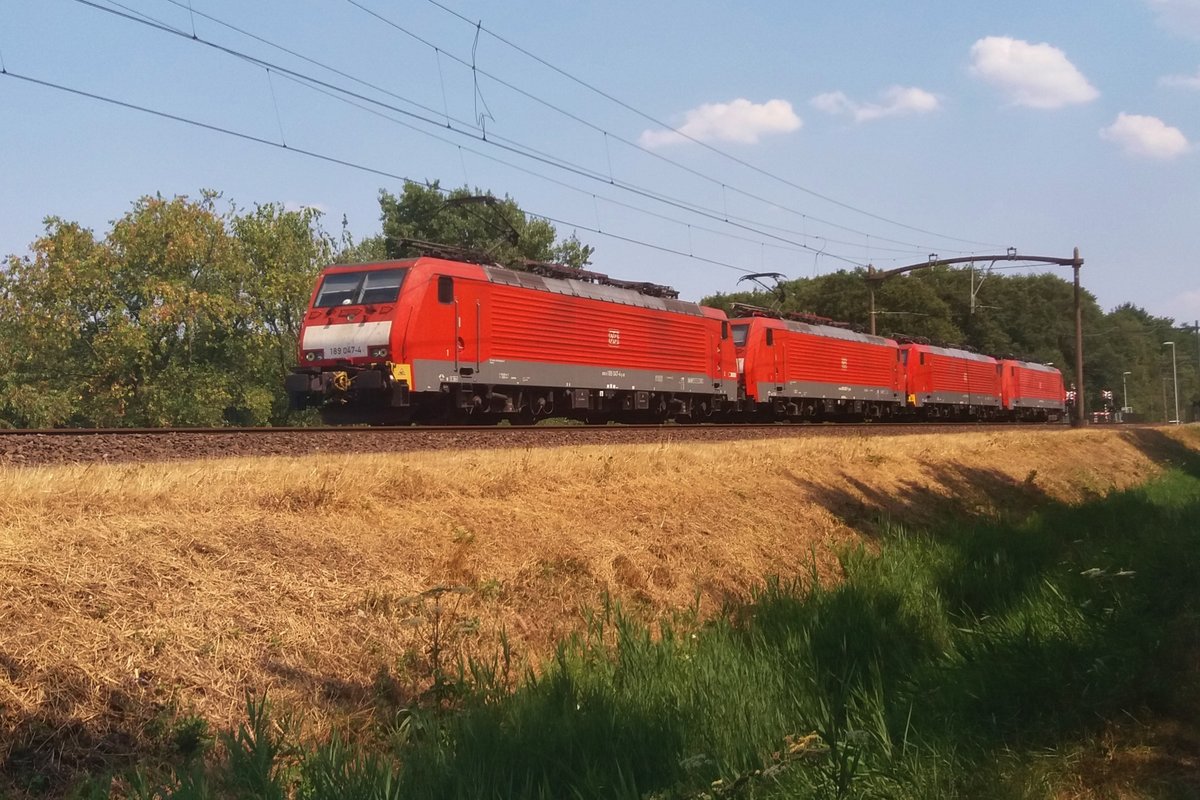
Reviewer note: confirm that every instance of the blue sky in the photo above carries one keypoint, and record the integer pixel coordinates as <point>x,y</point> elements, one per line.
<point>937,127</point>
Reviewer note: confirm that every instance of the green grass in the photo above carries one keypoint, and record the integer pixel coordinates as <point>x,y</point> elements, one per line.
<point>969,661</point>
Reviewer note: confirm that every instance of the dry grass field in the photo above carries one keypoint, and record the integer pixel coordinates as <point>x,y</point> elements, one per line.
<point>130,594</point>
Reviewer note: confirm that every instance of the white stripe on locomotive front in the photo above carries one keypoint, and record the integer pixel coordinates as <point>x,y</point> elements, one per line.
<point>364,334</point>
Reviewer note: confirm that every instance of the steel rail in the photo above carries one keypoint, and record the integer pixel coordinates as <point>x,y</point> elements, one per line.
<point>502,430</point>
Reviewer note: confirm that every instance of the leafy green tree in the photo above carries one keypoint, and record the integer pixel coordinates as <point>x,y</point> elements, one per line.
<point>281,252</point>
<point>54,306</point>
<point>181,315</point>
<point>363,251</point>
<point>475,220</point>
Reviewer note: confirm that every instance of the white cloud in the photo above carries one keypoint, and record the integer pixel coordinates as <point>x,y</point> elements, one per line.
<point>736,121</point>
<point>896,100</point>
<point>1184,81</point>
<point>1148,137</point>
<point>1033,75</point>
<point>1178,16</point>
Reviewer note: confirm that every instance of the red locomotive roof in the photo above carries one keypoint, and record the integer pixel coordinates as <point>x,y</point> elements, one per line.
<point>952,352</point>
<point>591,291</point>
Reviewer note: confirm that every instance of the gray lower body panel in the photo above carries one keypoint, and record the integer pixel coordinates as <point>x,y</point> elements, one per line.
<point>1056,405</point>
<point>958,399</point>
<point>429,376</point>
<point>827,391</point>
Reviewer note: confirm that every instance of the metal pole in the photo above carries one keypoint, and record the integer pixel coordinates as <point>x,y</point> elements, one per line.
<point>1175,376</point>
<point>1166,408</point>
<point>871,291</point>
<point>1080,394</point>
<point>1124,393</point>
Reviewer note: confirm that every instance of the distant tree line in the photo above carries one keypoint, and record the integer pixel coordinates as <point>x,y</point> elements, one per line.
<point>187,311</point>
<point>1027,316</point>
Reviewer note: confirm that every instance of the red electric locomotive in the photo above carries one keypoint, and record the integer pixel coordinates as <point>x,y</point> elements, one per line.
<point>793,369</point>
<point>1032,392</point>
<point>944,382</point>
<point>430,339</point>
<point>435,340</point>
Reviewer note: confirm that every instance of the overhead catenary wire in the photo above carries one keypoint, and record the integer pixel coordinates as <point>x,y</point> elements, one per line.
<point>275,103</point>
<point>797,248</point>
<point>476,71</point>
<point>791,245</point>
<point>349,164</point>
<point>493,140</point>
<point>740,161</point>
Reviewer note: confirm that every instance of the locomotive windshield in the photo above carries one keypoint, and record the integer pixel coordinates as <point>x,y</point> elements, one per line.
<point>740,332</point>
<point>360,288</point>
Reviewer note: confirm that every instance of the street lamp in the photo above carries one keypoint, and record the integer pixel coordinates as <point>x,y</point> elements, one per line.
<point>1125,392</point>
<point>1175,375</point>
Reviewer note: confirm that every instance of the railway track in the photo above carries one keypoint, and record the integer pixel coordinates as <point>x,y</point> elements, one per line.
<point>98,445</point>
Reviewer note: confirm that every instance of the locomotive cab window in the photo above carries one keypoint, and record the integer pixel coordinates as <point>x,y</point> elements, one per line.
<point>445,289</point>
<point>740,332</point>
<point>770,338</point>
<point>360,288</point>
<point>724,330</point>
<point>922,360</point>
<point>338,290</point>
<point>382,286</point>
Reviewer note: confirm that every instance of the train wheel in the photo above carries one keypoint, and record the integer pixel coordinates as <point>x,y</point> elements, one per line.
<point>523,417</point>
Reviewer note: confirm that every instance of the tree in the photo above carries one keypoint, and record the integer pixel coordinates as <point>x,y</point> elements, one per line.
<point>474,220</point>
<point>281,252</point>
<point>366,250</point>
<point>181,315</point>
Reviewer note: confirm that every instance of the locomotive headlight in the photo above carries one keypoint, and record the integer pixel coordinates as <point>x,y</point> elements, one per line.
<point>313,355</point>
<point>379,352</point>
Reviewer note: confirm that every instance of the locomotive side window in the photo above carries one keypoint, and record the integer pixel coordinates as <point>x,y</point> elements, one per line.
<point>740,332</point>
<point>903,356</point>
<point>770,338</point>
<point>922,359</point>
<point>445,289</point>
<point>724,330</point>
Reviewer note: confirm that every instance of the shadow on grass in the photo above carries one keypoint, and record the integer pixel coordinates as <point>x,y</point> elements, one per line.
<point>949,663</point>
<point>972,648</point>
<point>1169,451</point>
<point>948,493</point>
<point>44,747</point>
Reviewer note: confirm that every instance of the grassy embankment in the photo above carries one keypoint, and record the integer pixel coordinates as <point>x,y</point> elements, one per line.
<point>1022,631</point>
